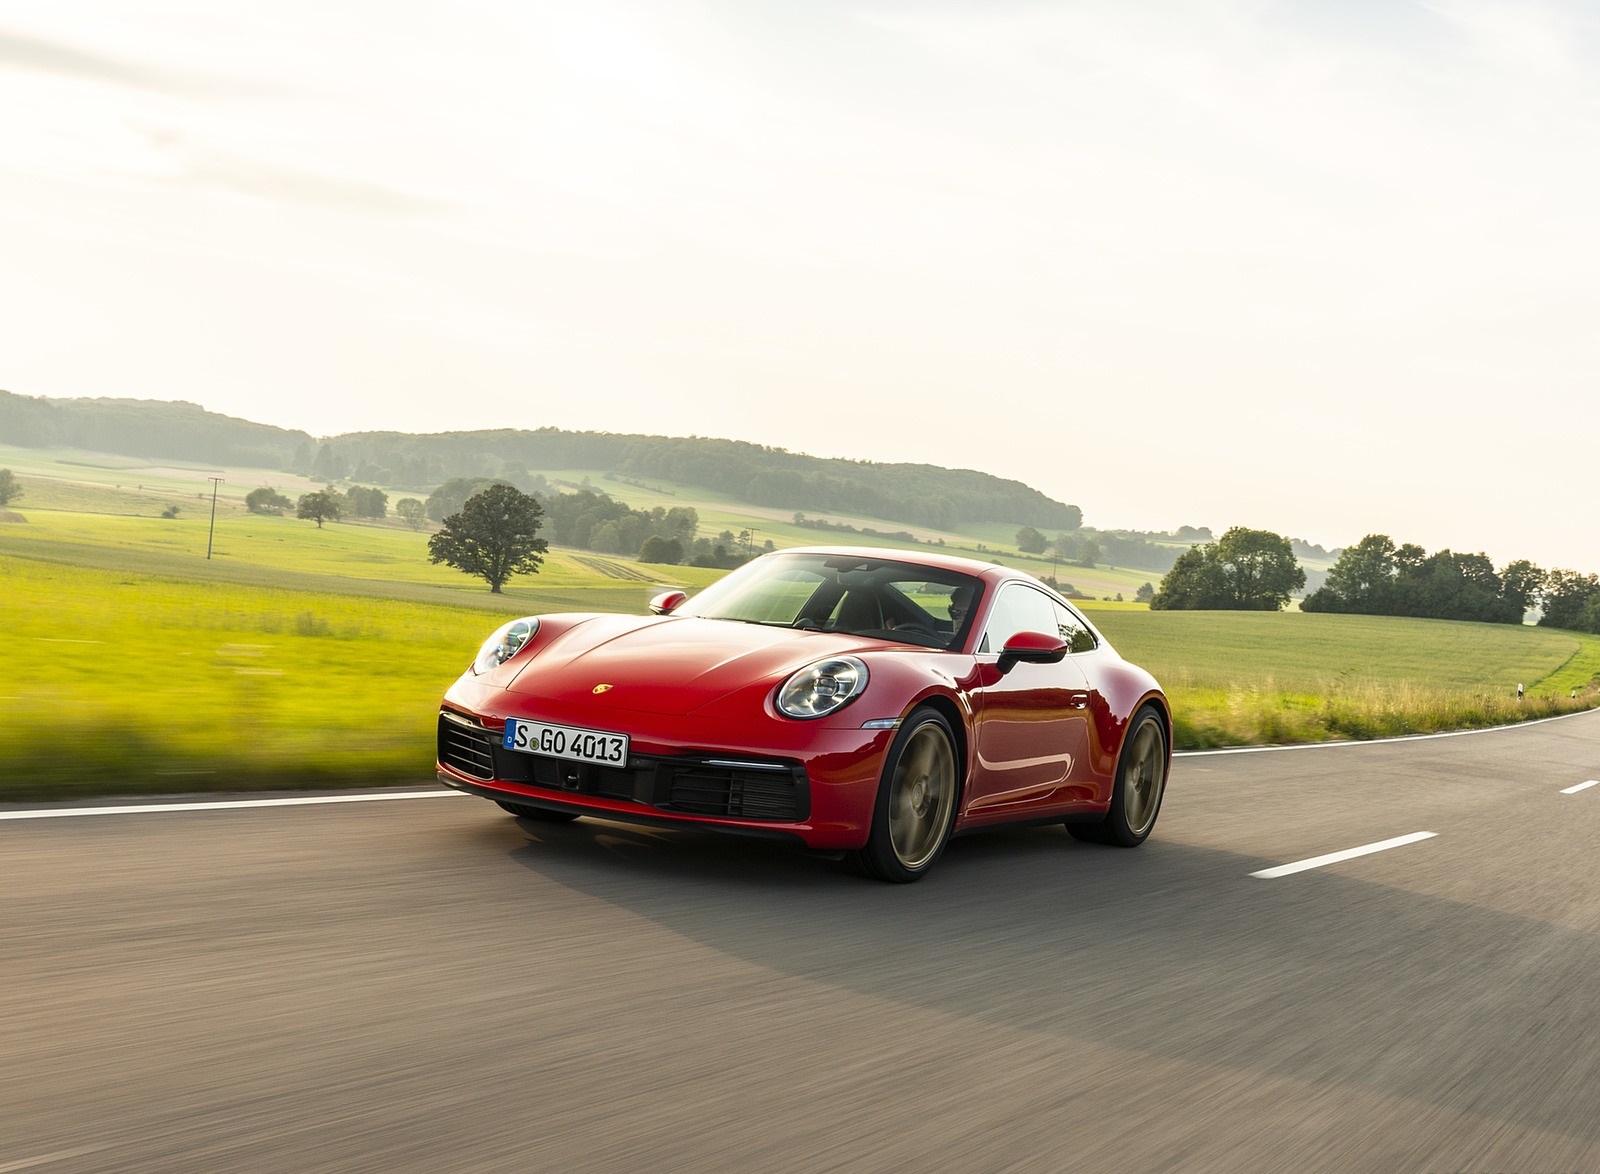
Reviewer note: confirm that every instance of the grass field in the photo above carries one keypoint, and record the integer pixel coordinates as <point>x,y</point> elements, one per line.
<point>126,681</point>
<point>1254,678</point>
<point>296,656</point>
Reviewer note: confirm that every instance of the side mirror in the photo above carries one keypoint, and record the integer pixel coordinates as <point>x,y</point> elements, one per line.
<point>1032,648</point>
<point>667,601</point>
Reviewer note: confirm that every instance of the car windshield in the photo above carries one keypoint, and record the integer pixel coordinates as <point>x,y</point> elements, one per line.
<point>864,596</point>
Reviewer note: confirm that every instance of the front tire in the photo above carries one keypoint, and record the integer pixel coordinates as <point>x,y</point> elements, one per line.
<point>1141,783</point>
<point>916,803</point>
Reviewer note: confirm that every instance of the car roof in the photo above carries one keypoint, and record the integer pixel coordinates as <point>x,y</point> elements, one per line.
<point>991,573</point>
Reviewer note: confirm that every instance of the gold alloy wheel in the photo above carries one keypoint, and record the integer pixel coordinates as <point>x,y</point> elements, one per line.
<point>1144,777</point>
<point>922,796</point>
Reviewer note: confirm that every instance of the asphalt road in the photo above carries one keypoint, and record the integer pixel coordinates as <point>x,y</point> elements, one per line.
<point>429,985</point>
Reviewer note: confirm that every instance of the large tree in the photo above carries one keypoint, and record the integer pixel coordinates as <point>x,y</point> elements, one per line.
<point>266,500</point>
<point>1195,583</point>
<point>9,489</point>
<point>1262,570</point>
<point>1362,581</point>
<point>365,502</point>
<point>319,507</point>
<point>656,549</point>
<point>1451,586</point>
<point>1521,585</point>
<point>494,536</point>
<point>1030,541</point>
<point>412,512</point>
<point>1566,596</point>
<point>1244,570</point>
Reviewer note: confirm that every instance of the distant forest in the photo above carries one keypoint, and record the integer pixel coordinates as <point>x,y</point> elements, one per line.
<point>924,495</point>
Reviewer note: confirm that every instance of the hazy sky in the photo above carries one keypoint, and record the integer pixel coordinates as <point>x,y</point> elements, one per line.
<point>1324,267</point>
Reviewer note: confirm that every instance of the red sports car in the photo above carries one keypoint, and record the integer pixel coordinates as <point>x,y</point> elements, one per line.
<point>870,702</point>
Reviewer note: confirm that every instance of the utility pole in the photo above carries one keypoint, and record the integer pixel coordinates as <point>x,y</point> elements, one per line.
<point>215,481</point>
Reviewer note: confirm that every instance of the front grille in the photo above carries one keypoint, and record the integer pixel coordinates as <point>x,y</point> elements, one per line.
<point>730,791</point>
<point>693,785</point>
<point>465,748</point>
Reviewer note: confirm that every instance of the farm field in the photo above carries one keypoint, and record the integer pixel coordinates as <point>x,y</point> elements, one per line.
<point>379,560</point>
<point>302,657</point>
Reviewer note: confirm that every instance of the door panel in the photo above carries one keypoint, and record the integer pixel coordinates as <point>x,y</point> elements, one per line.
<point>1031,724</point>
<point>1032,734</point>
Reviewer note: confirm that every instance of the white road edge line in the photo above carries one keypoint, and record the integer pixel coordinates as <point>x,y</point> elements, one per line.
<point>1580,787</point>
<point>152,808</point>
<point>1347,854</point>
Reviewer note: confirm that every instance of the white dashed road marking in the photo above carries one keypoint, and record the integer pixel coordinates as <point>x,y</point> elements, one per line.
<point>1580,787</point>
<point>1347,854</point>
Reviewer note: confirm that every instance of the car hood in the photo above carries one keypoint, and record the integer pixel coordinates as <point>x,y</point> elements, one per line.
<point>671,665</point>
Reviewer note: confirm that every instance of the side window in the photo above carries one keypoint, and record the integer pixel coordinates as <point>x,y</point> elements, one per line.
<point>1018,608</point>
<point>1076,633</point>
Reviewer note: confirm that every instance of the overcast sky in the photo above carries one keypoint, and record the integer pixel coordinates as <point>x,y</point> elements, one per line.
<point>1324,267</point>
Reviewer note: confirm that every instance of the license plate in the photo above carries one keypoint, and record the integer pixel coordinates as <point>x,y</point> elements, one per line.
<point>567,742</point>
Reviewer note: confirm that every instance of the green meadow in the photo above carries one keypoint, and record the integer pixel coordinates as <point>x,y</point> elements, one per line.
<point>296,657</point>
<point>1260,678</point>
<point>292,657</point>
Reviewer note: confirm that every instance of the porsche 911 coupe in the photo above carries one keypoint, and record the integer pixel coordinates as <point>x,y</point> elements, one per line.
<point>872,703</point>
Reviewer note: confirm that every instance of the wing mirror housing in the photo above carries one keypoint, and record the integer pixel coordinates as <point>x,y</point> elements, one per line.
<point>667,602</point>
<point>1031,648</point>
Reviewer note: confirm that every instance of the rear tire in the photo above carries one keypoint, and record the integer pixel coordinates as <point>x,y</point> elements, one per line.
<point>1141,782</point>
<point>541,814</point>
<point>916,804</point>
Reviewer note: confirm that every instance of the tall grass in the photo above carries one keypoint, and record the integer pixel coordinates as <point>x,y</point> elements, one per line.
<point>1261,714</point>
<point>136,682</point>
<point>295,656</point>
<point>1251,678</point>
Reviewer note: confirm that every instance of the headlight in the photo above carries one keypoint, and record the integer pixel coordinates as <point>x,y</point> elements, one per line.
<point>822,688</point>
<point>506,642</point>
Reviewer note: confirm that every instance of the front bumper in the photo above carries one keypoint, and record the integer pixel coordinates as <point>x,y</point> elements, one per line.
<point>821,794</point>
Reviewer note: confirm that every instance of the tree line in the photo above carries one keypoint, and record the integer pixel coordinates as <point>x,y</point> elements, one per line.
<point>595,521</point>
<point>582,518</point>
<point>1378,577</point>
<point>1256,570</point>
<point>1133,549</point>
<point>494,533</point>
<point>169,430</point>
<point>915,493</point>
<point>763,475</point>
<point>329,505</point>
<point>1244,570</point>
